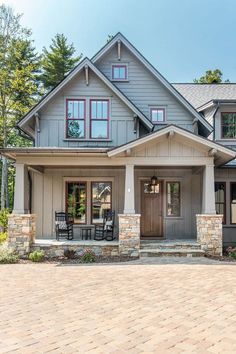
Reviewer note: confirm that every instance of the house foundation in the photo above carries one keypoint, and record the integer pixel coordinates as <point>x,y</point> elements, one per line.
<point>21,232</point>
<point>209,233</point>
<point>129,234</point>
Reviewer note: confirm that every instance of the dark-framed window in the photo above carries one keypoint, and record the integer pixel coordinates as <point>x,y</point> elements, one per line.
<point>75,118</point>
<point>76,201</point>
<point>220,199</point>
<point>173,199</point>
<point>228,125</point>
<point>233,202</point>
<point>101,195</point>
<point>119,72</point>
<point>158,115</point>
<point>99,119</point>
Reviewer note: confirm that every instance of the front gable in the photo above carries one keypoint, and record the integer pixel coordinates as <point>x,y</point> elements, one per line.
<point>146,87</point>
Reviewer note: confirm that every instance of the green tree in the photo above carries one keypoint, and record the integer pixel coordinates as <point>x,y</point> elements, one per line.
<point>210,77</point>
<point>58,61</point>
<point>19,84</point>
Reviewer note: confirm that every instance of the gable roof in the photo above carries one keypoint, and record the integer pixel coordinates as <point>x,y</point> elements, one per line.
<point>85,62</point>
<point>224,153</point>
<point>200,94</point>
<point>156,74</point>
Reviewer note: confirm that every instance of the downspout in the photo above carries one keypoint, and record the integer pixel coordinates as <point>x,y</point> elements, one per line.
<point>37,128</point>
<point>30,192</point>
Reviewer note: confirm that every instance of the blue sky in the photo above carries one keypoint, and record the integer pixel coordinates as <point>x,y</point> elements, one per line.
<point>181,38</point>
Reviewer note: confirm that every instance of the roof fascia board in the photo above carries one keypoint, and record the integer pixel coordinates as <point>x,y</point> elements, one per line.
<point>156,73</point>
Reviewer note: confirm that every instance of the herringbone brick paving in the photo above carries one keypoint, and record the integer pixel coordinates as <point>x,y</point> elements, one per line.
<point>130,308</point>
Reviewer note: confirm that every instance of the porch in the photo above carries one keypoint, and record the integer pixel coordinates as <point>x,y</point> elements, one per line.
<point>182,162</point>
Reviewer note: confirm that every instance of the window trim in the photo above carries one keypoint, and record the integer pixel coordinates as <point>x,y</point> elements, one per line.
<point>161,108</point>
<point>100,119</point>
<point>166,201</point>
<point>86,201</point>
<point>80,119</point>
<point>91,200</point>
<point>118,65</point>
<point>231,223</point>
<point>225,209</point>
<point>221,126</point>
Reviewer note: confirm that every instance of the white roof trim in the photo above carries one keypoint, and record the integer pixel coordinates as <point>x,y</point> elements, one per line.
<point>80,66</point>
<point>156,73</point>
<point>180,131</point>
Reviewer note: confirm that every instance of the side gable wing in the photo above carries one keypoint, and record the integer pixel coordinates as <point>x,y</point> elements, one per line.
<point>26,122</point>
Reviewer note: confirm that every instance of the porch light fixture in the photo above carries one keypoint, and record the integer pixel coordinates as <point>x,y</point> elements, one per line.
<point>154,181</point>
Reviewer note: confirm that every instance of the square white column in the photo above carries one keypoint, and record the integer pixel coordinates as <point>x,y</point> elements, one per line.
<point>208,190</point>
<point>129,207</point>
<point>21,194</point>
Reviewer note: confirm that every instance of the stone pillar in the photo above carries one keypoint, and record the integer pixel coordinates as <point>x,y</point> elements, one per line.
<point>129,234</point>
<point>208,190</point>
<point>21,194</point>
<point>209,233</point>
<point>21,232</point>
<point>129,190</point>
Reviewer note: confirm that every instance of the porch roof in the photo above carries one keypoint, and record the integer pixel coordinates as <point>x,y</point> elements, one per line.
<point>220,153</point>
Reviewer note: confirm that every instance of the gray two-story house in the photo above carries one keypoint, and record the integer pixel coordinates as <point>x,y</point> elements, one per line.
<point>116,135</point>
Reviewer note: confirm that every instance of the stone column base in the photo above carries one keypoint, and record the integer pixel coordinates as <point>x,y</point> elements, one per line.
<point>21,232</point>
<point>209,233</point>
<point>129,234</point>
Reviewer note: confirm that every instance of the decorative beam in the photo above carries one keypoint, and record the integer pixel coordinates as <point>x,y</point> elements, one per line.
<point>135,123</point>
<point>119,50</point>
<point>86,75</point>
<point>128,152</point>
<point>171,134</point>
<point>212,152</point>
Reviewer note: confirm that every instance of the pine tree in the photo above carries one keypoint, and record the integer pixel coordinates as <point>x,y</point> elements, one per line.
<point>58,61</point>
<point>19,84</point>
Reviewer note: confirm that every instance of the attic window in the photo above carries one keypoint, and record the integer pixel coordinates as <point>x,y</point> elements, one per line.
<point>119,72</point>
<point>158,115</point>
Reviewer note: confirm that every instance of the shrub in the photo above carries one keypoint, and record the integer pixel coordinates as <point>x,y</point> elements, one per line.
<point>88,256</point>
<point>3,237</point>
<point>70,254</point>
<point>4,219</point>
<point>7,255</point>
<point>231,251</point>
<point>37,256</point>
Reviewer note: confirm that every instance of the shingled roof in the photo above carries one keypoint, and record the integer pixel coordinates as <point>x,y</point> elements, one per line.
<point>199,94</point>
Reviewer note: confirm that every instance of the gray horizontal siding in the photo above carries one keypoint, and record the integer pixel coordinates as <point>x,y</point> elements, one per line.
<point>52,116</point>
<point>144,89</point>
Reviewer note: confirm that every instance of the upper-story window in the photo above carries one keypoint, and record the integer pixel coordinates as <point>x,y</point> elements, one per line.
<point>75,118</point>
<point>158,115</point>
<point>119,72</point>
<point>99,119</point>
<point>228,125</point>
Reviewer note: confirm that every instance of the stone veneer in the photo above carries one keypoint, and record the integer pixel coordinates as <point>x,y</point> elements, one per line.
<point>209,233</point>
<point>129,234</point>
<point>57,248</point>
<point>21,232</point>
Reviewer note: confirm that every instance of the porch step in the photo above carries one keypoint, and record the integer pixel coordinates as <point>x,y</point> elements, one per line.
<point>170,252</point>
<point>170,245</point>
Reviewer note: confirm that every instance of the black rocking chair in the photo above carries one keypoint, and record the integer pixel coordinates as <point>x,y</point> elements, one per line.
<point>105,231</point>
<point>64,225</point>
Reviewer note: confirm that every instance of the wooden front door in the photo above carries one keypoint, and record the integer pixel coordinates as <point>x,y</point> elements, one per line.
<point>151,211</point>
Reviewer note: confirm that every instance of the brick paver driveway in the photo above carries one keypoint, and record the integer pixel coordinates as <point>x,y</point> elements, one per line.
<point>135,308</point>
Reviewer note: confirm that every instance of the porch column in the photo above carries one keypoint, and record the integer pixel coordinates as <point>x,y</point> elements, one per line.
<point>21,194</point>
<point>209,225</point>
<point>208,190</point>
<point>129,190</point>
